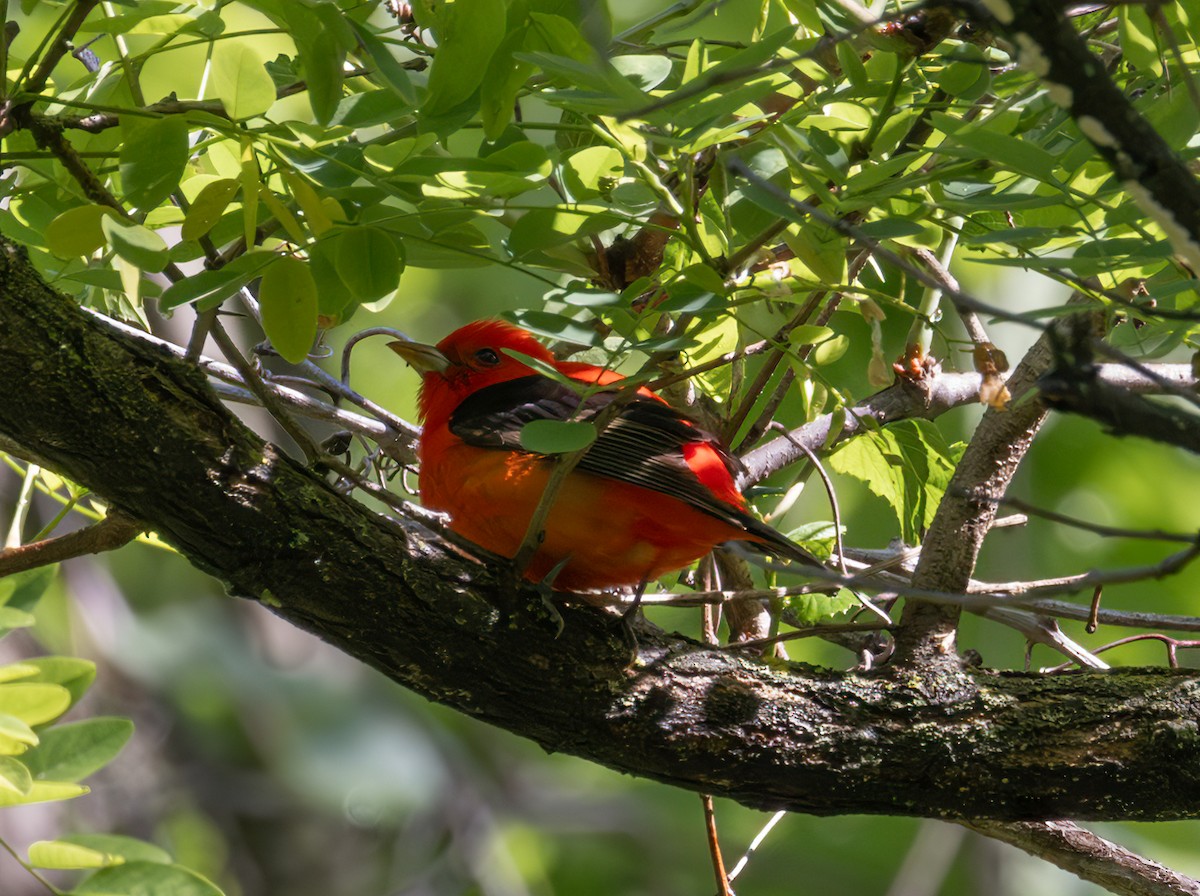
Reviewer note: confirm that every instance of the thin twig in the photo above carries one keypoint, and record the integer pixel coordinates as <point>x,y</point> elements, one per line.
<point>268,398</point>
<point>714,846</point>
<point>755,844</point>
<point>112,532</point>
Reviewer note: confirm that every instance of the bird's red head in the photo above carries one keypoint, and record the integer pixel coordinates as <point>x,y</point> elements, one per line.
<point>470,358</point>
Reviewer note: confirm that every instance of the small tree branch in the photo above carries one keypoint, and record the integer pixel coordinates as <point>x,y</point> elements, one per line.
<point>112,532</point>
<point>1091,857</point>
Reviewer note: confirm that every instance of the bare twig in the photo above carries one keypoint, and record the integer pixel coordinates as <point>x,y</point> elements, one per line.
<point>755,844</point>
<point>112,532</point>
<point>1074,849</point>
<point>714,846</point>
<point>269,400</point>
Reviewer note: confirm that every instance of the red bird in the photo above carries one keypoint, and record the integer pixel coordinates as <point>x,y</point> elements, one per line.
<point>653,493</point>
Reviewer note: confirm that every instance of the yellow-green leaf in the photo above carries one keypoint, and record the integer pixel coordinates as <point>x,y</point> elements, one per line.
<point>34,703</point>
<point>42,792</point>
<point>94,851</point>
<point>138,245</point>
<point>240,81</point>
<point>288,299</point>
<point>153,159</point>
<point>208,206</point>
<point>14,776</point>
<point>369,262</point>
<point>77,231</point>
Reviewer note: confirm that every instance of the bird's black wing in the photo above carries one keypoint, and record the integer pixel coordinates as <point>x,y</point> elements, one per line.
<point>642,444</point>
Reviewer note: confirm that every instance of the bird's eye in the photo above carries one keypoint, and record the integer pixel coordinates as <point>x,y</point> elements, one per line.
<point>487,357</point>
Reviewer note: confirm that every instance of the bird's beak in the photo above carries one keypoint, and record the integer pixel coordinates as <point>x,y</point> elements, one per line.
<point>422,358</point>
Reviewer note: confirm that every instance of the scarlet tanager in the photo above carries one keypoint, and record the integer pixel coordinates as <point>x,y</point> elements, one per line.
<point>653,493</point>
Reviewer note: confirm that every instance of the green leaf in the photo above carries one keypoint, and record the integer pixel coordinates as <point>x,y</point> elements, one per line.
<point>646,72</point>
<point>811,609</point>
<point>146,879</point>
<point>908,464</point>
<point>14,776</point>
<point>503,81</point>
<point>1020,155</point>
<point>467,35</point>
<point>593,171</point>
<point>543,228</point>
<point>42,792</point>
<point>806,334</point>
<point>72,751</point>
<point>22,590</point>
<point>207,288</point>
<point>555,326</point>
<point>11,618</point>
<point>322,59</point>
<point>94,851</point>
<point>34,703</point>
<point>73,673</point>
<point>369,262</point>
<point>16,671</point>
<point>557,436</point>
<point>387,67</point>
<point>288,299</point>
<point>77,231</point>
<point>139,23</point>
<point>240,81</point>
<point>208,206</point>
<point>153,159</point>
<point>335,302</point>
<point>1139,39</point>
<point>830,350</point>
<point>15,735</point>
<point>138,245</point>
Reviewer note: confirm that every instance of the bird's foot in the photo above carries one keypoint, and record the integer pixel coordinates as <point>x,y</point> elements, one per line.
<point>545,590</point>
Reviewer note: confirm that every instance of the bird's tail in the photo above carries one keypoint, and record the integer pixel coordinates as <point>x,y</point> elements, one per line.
<point>770,541</point>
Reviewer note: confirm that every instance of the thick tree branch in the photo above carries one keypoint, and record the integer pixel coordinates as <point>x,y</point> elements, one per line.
<point>141,428</point>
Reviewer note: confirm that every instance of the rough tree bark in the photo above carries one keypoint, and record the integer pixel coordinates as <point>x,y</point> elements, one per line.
<point>144,431</point>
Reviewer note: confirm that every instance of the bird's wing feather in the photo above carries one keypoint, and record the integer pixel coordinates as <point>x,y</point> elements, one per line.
<point>642,444</point>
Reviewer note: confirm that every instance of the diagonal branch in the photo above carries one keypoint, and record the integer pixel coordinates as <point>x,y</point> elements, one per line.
<point>141,428</point>
<point>114,531</point>
<point>1091,857</point>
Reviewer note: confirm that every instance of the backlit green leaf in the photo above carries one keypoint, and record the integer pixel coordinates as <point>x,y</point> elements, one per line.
<point>240,81</point>
<point>153,158</point>
<point>94,851</point>
<point>24,589</point>
<point>33,703</point>
<point>288,299</point>
<point>14,776</point>
<point>77,231</point>
<point>140,246</point>
<point>369,262</point>
<point>208,206</point>
<point>468,34</point>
